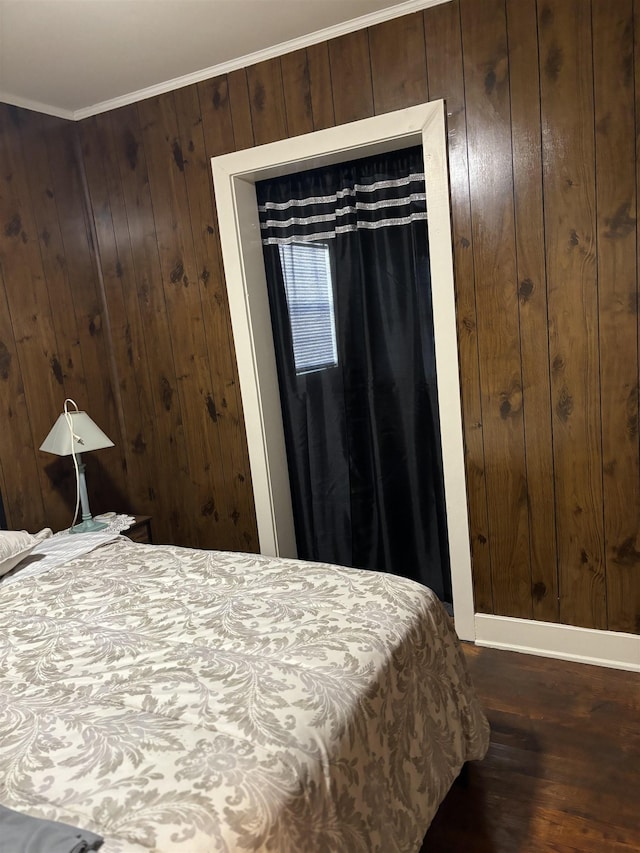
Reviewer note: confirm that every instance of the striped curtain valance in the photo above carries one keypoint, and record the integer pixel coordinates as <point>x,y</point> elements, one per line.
<point>366,204</point>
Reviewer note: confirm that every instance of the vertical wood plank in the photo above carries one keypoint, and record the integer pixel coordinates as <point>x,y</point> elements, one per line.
<point>216,115</point>
<point>214,508</point>
<point>238,93</point>
<point>219,334</point>
<point>445,73</point>
<point>398,63</point>
<point>22,499</point>
<point>266,97</point>
<point>616,207</point>
<point>569,178</point>
<point>29,308</point>
<point>144,237</point>
<point>72,279</point>
<point>106,479</point>
<point>296,85</point>
<point>486,74</point>
<point>636,56</point>
<point>351,77</point>
<point>320,86</point>
<point>166,163</point>
<point>532,289</point>
<point>224,438</point>
<point>143,459</point>
<point>35,129</point>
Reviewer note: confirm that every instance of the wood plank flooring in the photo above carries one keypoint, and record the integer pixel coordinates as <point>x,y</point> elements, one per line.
<point>563,769</point>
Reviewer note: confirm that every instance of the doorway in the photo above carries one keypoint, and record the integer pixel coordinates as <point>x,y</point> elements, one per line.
<point>349,281</point>
<point>235,176</point>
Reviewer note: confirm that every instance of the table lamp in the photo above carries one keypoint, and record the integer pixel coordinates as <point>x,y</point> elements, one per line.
<point>72,434</point>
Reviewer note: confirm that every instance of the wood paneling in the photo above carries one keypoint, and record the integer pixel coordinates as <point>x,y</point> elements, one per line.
<point>216,115</point>
<point>53,340</point>
<point>566,78</point>
<point>117,294</point>
<point>129,351</point>
<point>533,307</point>
<point>446,80</point>
<point>266,97</point>
<point>220,405</point>
<point>320,86</point>
<point>398,64</point>
<point>486,70</point>
<point>617,304</point>
<point>351,77</point>
<point>240,109</point>
<point>296,83</point>
<point>159,250</point>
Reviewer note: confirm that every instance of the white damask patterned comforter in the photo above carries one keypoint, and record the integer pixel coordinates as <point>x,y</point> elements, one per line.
<point>191,701</point>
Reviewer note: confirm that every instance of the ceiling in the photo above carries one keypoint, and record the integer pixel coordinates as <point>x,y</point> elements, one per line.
<point>75,58</point>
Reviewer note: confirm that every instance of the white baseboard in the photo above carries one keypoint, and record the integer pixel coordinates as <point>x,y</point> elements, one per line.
<point>550,639</point>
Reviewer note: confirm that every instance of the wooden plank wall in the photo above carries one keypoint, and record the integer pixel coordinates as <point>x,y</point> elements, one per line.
<point>53,329</point>
<point>541,99</point>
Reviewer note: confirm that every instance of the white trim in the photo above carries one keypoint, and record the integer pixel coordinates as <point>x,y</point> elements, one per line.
<point>35,106</point>
<point>362,22</point>
<point>234,179</point>
<point>549,639</point>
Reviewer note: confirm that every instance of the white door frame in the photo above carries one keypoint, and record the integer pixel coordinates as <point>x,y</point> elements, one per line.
<point>234,177</point>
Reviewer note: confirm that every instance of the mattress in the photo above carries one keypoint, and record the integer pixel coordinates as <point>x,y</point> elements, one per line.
<point>172,699</point>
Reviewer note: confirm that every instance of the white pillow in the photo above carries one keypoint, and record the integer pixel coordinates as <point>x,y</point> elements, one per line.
<point>14,546</point>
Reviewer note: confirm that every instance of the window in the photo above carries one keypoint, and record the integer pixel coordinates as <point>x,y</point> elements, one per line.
<point>306,268</point>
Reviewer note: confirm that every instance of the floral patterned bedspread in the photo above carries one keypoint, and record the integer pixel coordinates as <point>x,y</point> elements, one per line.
<point>190,701</point>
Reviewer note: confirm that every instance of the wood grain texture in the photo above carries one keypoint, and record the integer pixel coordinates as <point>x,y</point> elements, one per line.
<point>118,296</point>
<point>54,312</point>
<point>634,586</point>
<point>398,63</point>
<point>561,771</point>
<point>532,293</point>
<point>215,110</point>
<point>351,77</point>
<point>105,467</point>
<point>223,437</point>
<point>185,378</point>
<point>486,70</point>
<point>570,226</point>
<point>130,349</point>
<point>616,207</point>
<point>29,308</point>
<point>446,80</point>
<point>145,226</point>
<point>266,97</point>
<point>320,86</point>
<point>23,503</point>
<point>296,85</point>
<point>238,94</point>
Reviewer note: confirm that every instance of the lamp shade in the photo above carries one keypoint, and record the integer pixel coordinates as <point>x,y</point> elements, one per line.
<point>87,435</point>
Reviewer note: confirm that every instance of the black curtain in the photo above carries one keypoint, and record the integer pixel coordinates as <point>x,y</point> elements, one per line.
<point>360,418</point>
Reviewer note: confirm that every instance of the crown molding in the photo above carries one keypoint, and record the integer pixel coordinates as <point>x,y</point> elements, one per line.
<point>35,106</point>
<point>364,21</point>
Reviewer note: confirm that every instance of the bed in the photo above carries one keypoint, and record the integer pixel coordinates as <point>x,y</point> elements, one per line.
<point>172,699</point>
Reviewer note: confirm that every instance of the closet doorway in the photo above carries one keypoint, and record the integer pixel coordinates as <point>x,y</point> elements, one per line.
<point>349,281</point>
<point>235,176</point>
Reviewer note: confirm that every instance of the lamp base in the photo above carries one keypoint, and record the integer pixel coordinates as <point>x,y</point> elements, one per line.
<point>88,526</point>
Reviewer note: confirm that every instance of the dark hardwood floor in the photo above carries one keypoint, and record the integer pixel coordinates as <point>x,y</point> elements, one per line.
<point>563,769</point>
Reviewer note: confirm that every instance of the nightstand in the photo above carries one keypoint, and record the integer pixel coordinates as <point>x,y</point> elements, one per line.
<point>140,530</point>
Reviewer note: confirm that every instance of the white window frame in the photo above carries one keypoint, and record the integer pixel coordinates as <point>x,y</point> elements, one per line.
<point>234,177</point>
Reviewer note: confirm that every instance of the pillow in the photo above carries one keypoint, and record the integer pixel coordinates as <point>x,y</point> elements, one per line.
<point>14,546</point>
